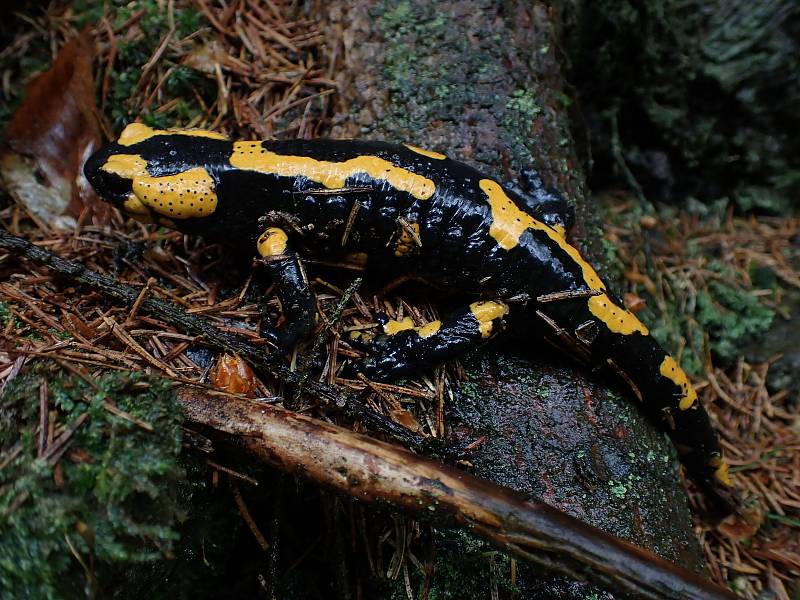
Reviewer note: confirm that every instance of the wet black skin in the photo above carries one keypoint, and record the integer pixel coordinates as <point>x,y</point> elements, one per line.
<point>456,251</point>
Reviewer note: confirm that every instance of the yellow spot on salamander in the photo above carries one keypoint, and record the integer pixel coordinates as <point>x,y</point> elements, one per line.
<point>126,166</point>
<point>138,132</point>
<point>180,196</point>
<point>407,241</point>
<point>134,207</point>
<point>509,222</point>
<point>486,312</point>
<point>429,329</point>
<point>423,152</point>
<point>617,319</point>
<point>394,327</point>
<point>272,242</point>
<point>721,470</point>
<point>185,195</point>
<point>254,157</point>
<point>723,474</point>
<point>672,371</point>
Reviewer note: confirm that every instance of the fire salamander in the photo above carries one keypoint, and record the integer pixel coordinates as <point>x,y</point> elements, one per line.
<point>416,210</point>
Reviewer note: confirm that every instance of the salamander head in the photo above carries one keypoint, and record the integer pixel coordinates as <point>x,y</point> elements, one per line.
<point>114,182</point>
<point>157,175</point>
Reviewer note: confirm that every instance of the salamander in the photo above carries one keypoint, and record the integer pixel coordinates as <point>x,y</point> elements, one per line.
<point>505,248</point>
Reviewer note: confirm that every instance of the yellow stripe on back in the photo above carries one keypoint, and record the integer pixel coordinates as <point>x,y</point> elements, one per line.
<point>423,152</point>
<point>254,157</point>
<point>617,319</point>
<point>509,222</point>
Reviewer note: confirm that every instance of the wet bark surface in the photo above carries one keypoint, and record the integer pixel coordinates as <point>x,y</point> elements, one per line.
<point>481,82</point>
<point>569,439</point>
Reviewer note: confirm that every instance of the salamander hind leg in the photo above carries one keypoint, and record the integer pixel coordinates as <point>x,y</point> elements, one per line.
<point>404,348</point>
<point>291,283</point>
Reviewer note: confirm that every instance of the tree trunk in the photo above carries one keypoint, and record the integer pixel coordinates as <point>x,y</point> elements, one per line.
<point>480,81</point>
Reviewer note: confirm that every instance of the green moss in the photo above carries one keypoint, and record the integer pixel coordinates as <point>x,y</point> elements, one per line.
<point>112,499</point>
<point>725,317</point>
<point>124,99</point>
<point>5,314</point>
<point>124,103</point>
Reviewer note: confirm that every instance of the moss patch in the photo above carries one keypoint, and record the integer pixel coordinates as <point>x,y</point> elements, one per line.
<point>110,499</point>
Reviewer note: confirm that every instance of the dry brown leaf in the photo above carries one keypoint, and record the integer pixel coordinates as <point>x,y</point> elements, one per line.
<point>634,303</point>
<point>50,136</point>
<point>744,525</point>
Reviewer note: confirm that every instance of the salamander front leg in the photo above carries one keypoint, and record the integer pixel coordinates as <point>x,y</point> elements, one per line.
<point>290,281</point>
<point>403,348</point>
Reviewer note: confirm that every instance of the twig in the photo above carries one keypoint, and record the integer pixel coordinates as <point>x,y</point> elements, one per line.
<point>248,518</point>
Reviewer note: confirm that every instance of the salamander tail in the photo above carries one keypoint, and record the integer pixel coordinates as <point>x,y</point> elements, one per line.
<point>669,397</point>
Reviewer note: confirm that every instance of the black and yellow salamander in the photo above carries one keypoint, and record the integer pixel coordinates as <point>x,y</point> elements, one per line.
<point>422,213</point>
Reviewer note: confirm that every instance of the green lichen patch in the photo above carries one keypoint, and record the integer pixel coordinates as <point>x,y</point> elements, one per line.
<point>107,497</point>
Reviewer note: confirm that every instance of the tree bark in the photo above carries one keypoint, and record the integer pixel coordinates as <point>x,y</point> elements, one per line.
<point>480,80</point>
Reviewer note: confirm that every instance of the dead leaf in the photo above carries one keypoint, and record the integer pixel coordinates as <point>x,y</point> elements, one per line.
<point>634,303</point>
<point>50,136</point>
<point>745,524</point>
<point>234,375</point>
